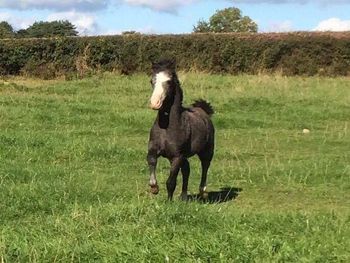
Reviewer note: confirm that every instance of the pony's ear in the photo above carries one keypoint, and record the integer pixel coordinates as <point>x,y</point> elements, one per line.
<point>164,64</point>
<point>153,66</point>
<point>153,63</point>
<point>172,63</point>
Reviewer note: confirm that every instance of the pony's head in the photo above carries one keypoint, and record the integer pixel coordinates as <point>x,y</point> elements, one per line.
<point>163,76</point>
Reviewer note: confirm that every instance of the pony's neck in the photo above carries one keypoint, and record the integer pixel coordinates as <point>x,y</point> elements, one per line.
<point>170,116</point>
<point>178,97</point>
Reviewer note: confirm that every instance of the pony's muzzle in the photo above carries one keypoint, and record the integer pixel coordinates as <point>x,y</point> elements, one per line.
<point>155,106</point>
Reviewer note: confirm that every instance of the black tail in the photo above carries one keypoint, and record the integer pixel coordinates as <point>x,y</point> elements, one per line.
<point>204,106</point>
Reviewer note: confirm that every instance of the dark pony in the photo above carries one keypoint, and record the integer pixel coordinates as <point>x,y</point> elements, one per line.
<point>178,132</point>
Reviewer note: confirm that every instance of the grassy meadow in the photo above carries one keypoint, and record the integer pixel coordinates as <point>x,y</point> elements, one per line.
<point>74,177</point>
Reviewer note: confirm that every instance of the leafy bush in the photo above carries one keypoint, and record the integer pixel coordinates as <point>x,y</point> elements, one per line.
<point>289,53</point>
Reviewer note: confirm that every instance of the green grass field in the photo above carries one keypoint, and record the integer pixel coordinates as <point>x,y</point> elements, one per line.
<point>74,177</point>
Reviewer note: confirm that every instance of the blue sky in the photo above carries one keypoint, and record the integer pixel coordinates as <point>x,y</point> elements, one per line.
<point>94,17</point>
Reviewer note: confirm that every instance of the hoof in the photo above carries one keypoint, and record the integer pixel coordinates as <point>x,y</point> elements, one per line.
<point>184,197</point>
<point>203,194</point>
<point>154,189</point>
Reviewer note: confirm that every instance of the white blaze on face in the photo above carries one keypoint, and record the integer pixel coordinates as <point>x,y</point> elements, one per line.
<point>159,92</point>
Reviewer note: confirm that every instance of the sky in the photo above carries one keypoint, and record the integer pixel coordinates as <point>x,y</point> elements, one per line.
<point>108,17</point>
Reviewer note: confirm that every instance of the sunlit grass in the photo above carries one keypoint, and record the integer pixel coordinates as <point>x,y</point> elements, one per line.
<point>73,174</point>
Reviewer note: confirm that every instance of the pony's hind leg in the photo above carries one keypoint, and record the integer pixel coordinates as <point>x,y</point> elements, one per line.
<point>205,163</point>
<point>185,170</point>
<point>176,164</point>
<point>152,163</point>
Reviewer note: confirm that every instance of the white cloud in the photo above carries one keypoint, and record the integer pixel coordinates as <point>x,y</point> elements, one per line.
<point>92,5</point>
<point>160,5</point>
<point>86,23</point>
<point>157,5</point>
<point>283,26</point>
<point>145,30</point>
<point>111,32</point>
<point>54,4</point>
<point>333,24</point>
<point>17,22</point>
<point>321,2</point>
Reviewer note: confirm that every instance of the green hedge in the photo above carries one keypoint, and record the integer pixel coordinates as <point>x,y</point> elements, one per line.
<point>289,53</point>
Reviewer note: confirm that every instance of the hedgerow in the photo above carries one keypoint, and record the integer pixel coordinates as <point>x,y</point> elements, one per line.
<point>301,53</point>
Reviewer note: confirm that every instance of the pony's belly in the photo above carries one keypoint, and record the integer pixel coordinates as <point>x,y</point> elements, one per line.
<point>168,148</point>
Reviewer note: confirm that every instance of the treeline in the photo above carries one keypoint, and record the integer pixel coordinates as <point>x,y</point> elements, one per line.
<point>289,54</point>
<point>59,28</point>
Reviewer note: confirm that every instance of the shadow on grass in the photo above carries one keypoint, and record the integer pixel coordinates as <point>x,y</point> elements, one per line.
<point>224,195</point>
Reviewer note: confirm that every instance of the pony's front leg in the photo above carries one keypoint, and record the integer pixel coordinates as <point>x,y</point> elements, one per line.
<point>152,163</point>
<point>185,169</point>
<point>176,164</point>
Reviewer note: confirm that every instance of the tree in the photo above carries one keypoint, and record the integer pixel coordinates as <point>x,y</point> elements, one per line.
<point>226,20</point>
<point>131,32</point>
<point>21,33</point>
<point>202,27</point>
<point>6,30</point>
<point>51,29</point>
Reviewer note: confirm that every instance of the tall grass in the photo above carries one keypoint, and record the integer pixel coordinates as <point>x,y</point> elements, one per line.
<point>73,175</point>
